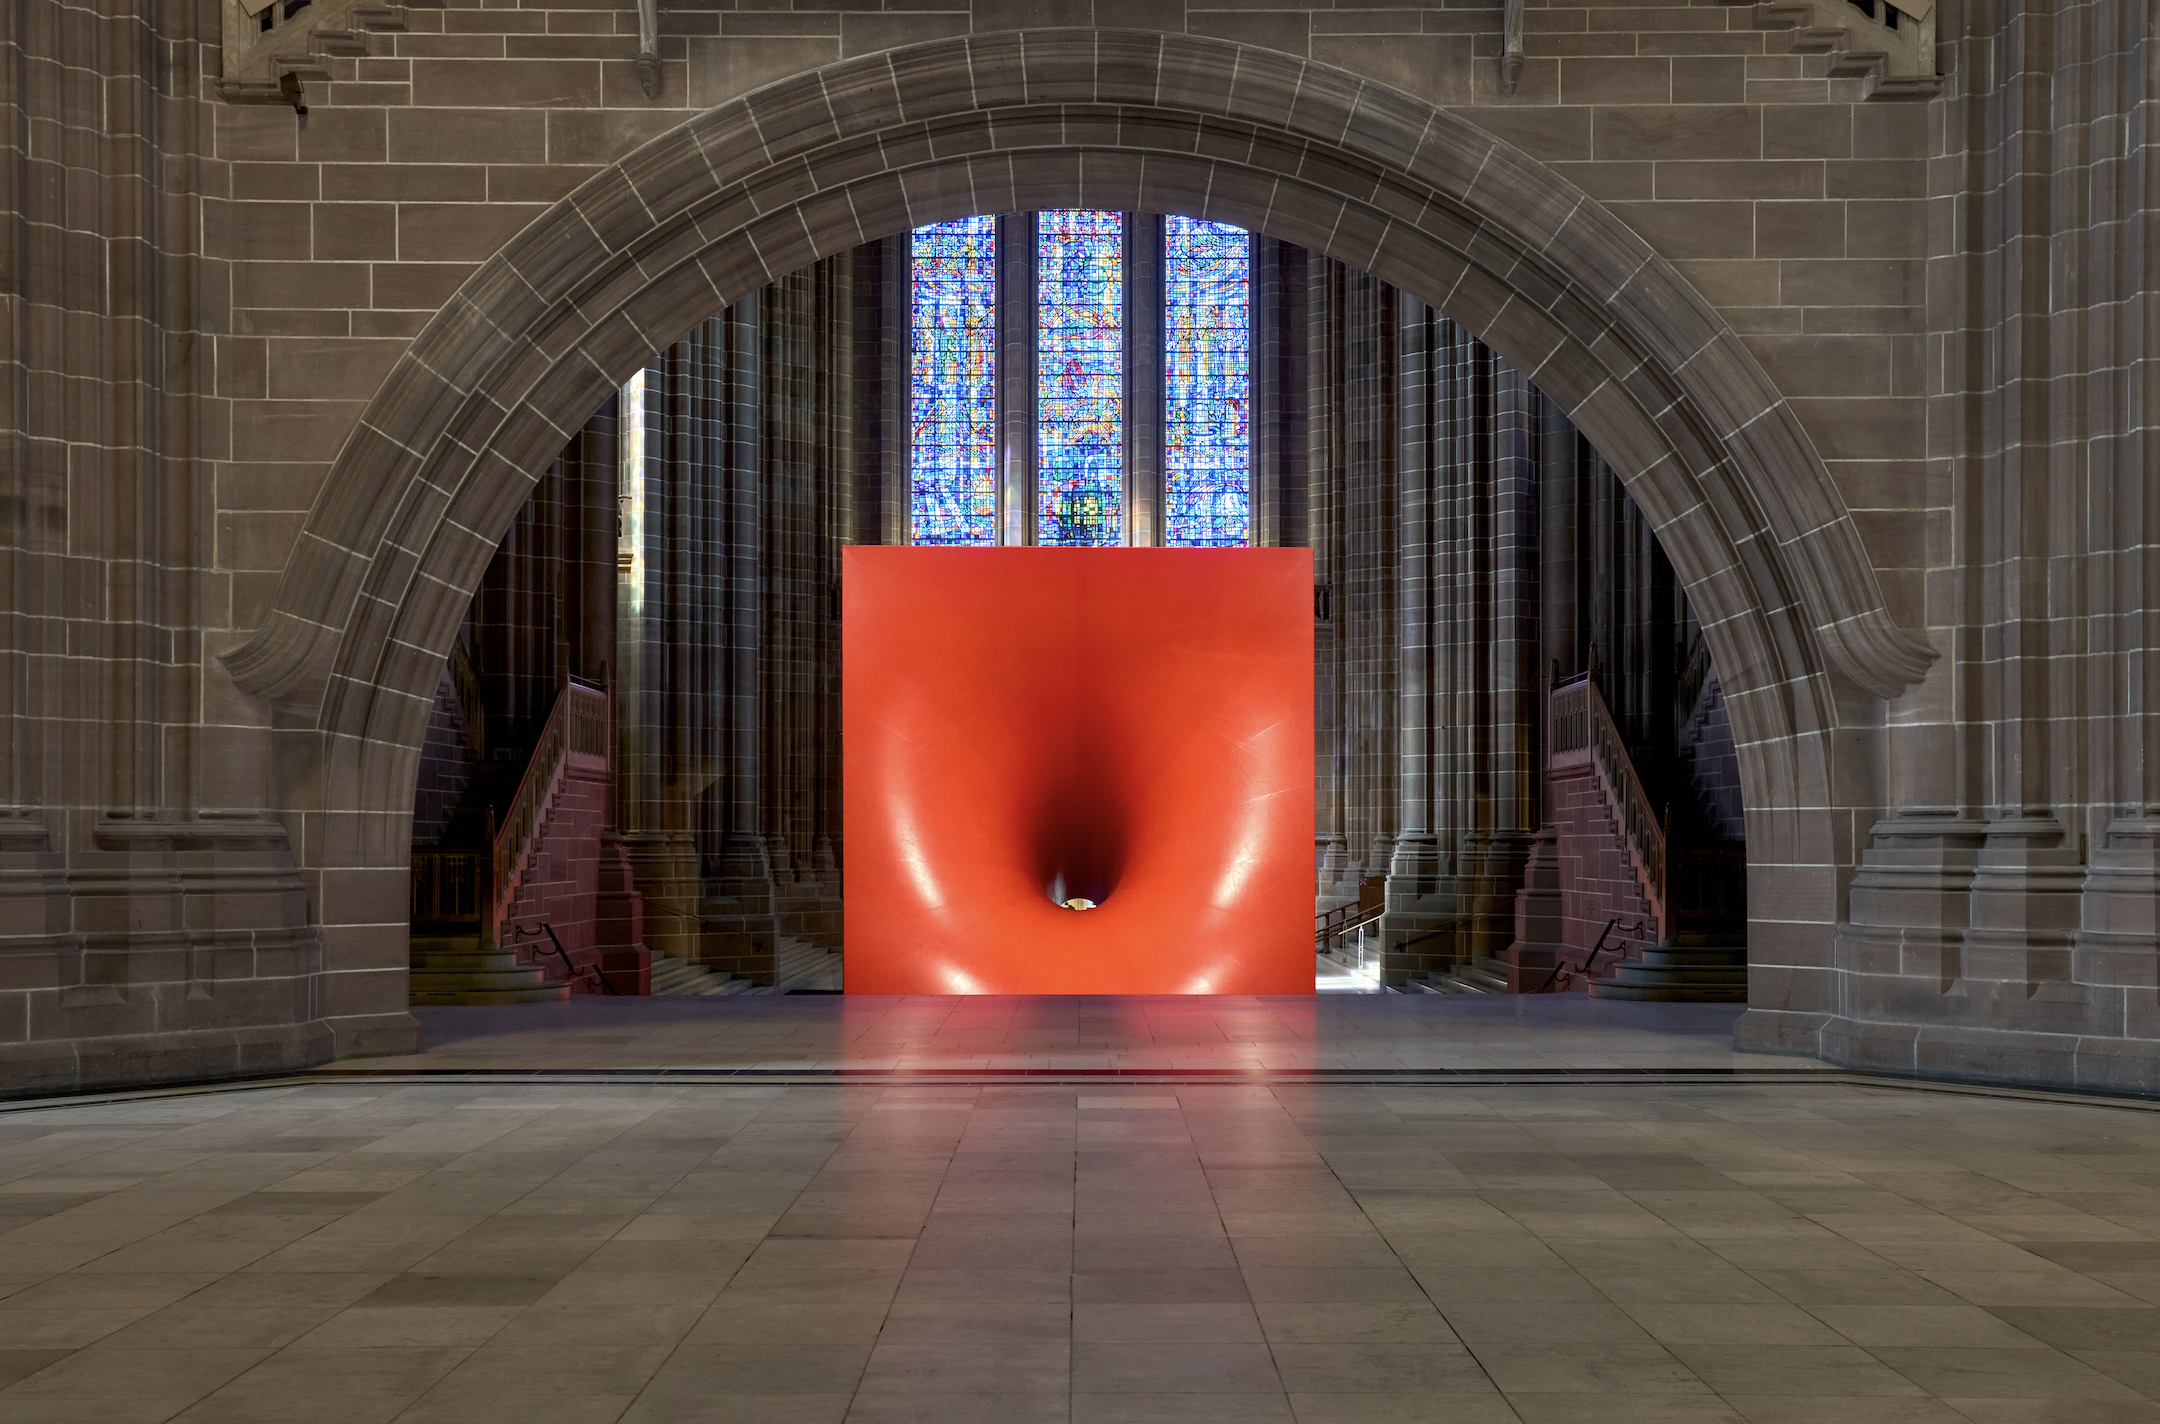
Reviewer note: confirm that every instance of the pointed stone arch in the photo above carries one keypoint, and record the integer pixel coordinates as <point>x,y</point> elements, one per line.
<point>709,212</point>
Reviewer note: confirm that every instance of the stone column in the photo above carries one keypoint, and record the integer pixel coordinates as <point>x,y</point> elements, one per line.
<point>1281,478</point>
<point>1016,378</point>
<point>1144,380</point>
<point>739,924</point>
<point>656,644</point>
<point>1415,867</point>
<point>1325,505</point>
<point>1367,618</point>
<point>1504,799</point>
<point>882,392</point>
<point>807,487</point>
<point>1561,456</point>
<point>2118,941</point>
<point>1965,904</point>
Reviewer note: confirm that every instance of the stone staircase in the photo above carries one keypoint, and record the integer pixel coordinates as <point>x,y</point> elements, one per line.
<point>1710,974</point>
<point>455,969</point>
<point>674,978</point>
<point>1483,975</point>
<point>801,965</point>
<point>797,964</point>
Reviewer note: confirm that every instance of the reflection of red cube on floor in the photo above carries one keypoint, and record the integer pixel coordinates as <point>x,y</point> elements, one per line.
<point>1129,726</point>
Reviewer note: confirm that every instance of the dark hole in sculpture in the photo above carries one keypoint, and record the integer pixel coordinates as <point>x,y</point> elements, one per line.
<point>1079,842</point>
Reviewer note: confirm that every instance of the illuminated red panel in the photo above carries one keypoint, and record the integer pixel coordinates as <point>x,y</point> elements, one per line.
<point>1130,726</point>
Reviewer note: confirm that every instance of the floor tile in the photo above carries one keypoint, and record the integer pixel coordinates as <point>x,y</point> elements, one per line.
<point>1459,1408</point>
<point>1892,1325</point>
<point>1170,1285</point>
<point>1385,1323</point>
<point>1586,1369</point>
<point>1336,1368</point>
<point>1796,1369</point>
<point>1186,1367</point>
<point>1727,1323</point>
<point>1147,1323</point>
<point>911,1407</point>
<point>1958,1373</point>
<point>959,1323</point>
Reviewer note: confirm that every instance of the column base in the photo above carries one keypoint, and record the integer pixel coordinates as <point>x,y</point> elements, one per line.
<point>77,1065</point>
<point>2072,1062</point>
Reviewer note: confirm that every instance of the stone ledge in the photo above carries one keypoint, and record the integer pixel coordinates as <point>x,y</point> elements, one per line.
<point>2074,1062</point>
<point>143,1060</point>
<point>374,1035</point>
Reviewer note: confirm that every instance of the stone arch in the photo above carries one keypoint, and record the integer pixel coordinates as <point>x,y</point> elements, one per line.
<point>714,209</point>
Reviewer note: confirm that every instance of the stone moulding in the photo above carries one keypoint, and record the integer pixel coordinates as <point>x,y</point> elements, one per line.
<point>816,163</point>
<point>1890,61</point>
<point>327,29</point>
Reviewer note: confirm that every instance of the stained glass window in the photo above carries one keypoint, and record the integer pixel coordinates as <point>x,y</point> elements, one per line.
<point>1207,383</point>
<point>952,383</point>
<point>1080,377</point>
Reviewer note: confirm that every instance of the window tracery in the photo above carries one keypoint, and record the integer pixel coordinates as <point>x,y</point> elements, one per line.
<point>1207,384</point>
<point>952,383</point>
<point>1103,305</point>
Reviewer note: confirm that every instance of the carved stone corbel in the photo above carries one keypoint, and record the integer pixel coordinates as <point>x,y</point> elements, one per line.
<point>648,59</point>
<point>1511,47</point>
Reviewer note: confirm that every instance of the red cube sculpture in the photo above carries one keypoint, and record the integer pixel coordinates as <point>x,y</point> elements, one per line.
<point>1025,727</point>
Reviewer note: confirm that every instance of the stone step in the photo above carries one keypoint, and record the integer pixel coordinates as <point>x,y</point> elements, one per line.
<point>454,969</point>
<point>1662,958</point>
<point>1703,974</point>
<point>451,959</point>
<point>1670,993</point>
<point>674,978</point>
<point>1479,976</point>
<point>483,998</point>
<point>798,964</point>
<point>446,944</point>
<point>478,977</point>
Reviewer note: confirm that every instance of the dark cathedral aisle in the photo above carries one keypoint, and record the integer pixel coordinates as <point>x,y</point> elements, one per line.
<point>666,755</point>
<point>1523,758</point>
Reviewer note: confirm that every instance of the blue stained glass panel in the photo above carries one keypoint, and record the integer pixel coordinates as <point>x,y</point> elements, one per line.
<point>952,382</point>
<point>1207,384</point>
<point>1080,377</point>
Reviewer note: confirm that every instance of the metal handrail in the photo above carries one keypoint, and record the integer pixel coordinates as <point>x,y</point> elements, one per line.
<point>1331,924</point>
<point>1584,968</point>
<point>519,932</point>
<point>1449,927</point>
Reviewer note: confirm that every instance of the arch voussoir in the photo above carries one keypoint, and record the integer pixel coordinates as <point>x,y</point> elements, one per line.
<point>712,210</point>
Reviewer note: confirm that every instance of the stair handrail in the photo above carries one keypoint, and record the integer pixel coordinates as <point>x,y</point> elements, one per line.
<point>569,965</point>
<point>1449,926</point>
<point>1370,905</point>
<point>578,722</point>
<point>1561,973</point>
<point>1581,721</point>
<point>1328,925</point>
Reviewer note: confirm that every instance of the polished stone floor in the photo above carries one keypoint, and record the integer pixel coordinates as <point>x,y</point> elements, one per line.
<point>1588,1248</point>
